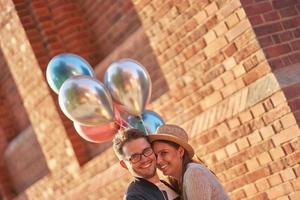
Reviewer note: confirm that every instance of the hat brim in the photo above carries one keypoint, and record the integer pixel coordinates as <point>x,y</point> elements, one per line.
<point>186,146</point>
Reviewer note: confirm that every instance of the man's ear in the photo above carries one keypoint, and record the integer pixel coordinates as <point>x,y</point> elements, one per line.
<point>123,164</point>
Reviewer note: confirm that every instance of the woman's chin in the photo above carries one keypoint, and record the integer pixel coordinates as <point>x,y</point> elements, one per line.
<point>165,173</point>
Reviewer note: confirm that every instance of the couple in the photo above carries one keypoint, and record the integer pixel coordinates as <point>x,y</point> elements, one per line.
<point>169,151</point>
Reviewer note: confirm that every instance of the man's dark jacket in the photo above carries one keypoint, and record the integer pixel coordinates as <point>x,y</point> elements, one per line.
<point>141,189</point>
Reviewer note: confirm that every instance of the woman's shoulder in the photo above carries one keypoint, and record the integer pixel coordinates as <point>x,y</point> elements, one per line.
<point>196,170</point>
<point>195,166</point>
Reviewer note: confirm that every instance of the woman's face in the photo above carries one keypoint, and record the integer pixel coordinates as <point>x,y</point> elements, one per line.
<point>169,159</point>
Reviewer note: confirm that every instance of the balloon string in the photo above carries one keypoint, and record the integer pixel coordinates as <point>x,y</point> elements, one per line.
<point>146,131</point>
<point>126,124</point>
<point>121,126</point>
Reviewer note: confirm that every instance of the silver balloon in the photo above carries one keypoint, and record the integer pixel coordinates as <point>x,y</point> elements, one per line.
<point>85,100</point>
<point>64,66</point>
<point>129,84</point>
<point>148,123</point>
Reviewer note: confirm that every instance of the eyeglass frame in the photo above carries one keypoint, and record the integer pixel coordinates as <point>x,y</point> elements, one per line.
<point>139,155</point>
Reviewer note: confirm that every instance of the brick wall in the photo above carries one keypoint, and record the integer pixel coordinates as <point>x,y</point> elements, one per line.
<point>223,91</point>
<point>276,26</point>
<point>13,116</point>
<point>111,23</point>
<point>13,120</point>
<point>54,27</point>
<point>37,101</point>
<point>24,170</point>
<point>239,109</point>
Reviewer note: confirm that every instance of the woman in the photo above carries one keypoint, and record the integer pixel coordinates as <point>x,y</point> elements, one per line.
<point>174,158</point>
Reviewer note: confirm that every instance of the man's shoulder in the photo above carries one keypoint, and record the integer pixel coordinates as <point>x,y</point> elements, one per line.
<point>140,184</point>
<point>142,189</point>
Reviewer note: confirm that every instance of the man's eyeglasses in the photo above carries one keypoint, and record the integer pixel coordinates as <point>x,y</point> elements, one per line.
<point>138,156</point>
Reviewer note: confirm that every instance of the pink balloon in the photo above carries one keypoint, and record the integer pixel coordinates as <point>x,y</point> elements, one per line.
<point>97,134</point>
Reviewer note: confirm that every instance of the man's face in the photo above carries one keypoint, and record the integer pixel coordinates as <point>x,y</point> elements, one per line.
<point>146,167</point>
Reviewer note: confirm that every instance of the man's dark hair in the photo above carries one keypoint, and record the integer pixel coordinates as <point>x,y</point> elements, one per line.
<point>126,135</point>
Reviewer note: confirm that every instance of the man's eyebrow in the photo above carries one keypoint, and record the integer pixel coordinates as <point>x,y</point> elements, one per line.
<point>142,150</point>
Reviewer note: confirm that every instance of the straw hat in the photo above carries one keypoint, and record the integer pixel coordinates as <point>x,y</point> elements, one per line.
<point>175,134</point>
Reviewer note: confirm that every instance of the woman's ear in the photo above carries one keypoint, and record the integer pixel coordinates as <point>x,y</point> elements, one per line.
<point>181,151</point>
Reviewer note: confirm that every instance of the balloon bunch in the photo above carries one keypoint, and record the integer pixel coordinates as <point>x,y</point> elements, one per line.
<point>98,110</point>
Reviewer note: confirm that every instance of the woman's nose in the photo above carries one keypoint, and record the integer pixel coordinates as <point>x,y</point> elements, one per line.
<point>158,159</point>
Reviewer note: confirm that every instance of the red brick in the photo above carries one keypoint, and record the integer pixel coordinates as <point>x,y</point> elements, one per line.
<point>276,38</point>
<point>275,179</point>
<point>250,63</point>
<point>250,77</point>
<point>286,36</point>
<point>258,174</point>
<point>238,194</point>
<point>262,185</point>
<point>278,4</point>
<point>235,183</point>
<point>188,52</point>
<point>181,5</point>
<point>268,105</point>
<point>213,74</point>
<point>245,52</point>
<point>257,110</point>
<point>271,16</point>
<point>191,25</point>
<point>293,158</point>
<point>276,63</point>
<point>295,44</point>
<point>245,116</point>
<point>163,9</point>
<point>201,4</point>
<point>198,33</point>
<point>296,32</point>
<point>230,50</point>
<point>258,8</point>
<point>260,196</point>
<point>280,191</point>
<point>217,144</point>
<point>233,123</point>
<point>268,29</point>
<point>285,60</point>
<point>256,20</point>
<point>294,103</point>
<point>288,12</point>
<point>287,174</point>
<point>291,23</point>
<point>250,189</point>
<point>265,41</point>
<point>212,22</point>
<point>277,50</point>
<point>208,63</point>
<point>247,2</point>
<point>294,57</point>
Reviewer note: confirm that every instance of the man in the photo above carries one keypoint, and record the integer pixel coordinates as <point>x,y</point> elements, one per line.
<point>134,151</point>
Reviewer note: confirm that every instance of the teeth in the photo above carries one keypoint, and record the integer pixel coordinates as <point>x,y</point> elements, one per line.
<point>146,166</point>
<point>163,167</point>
